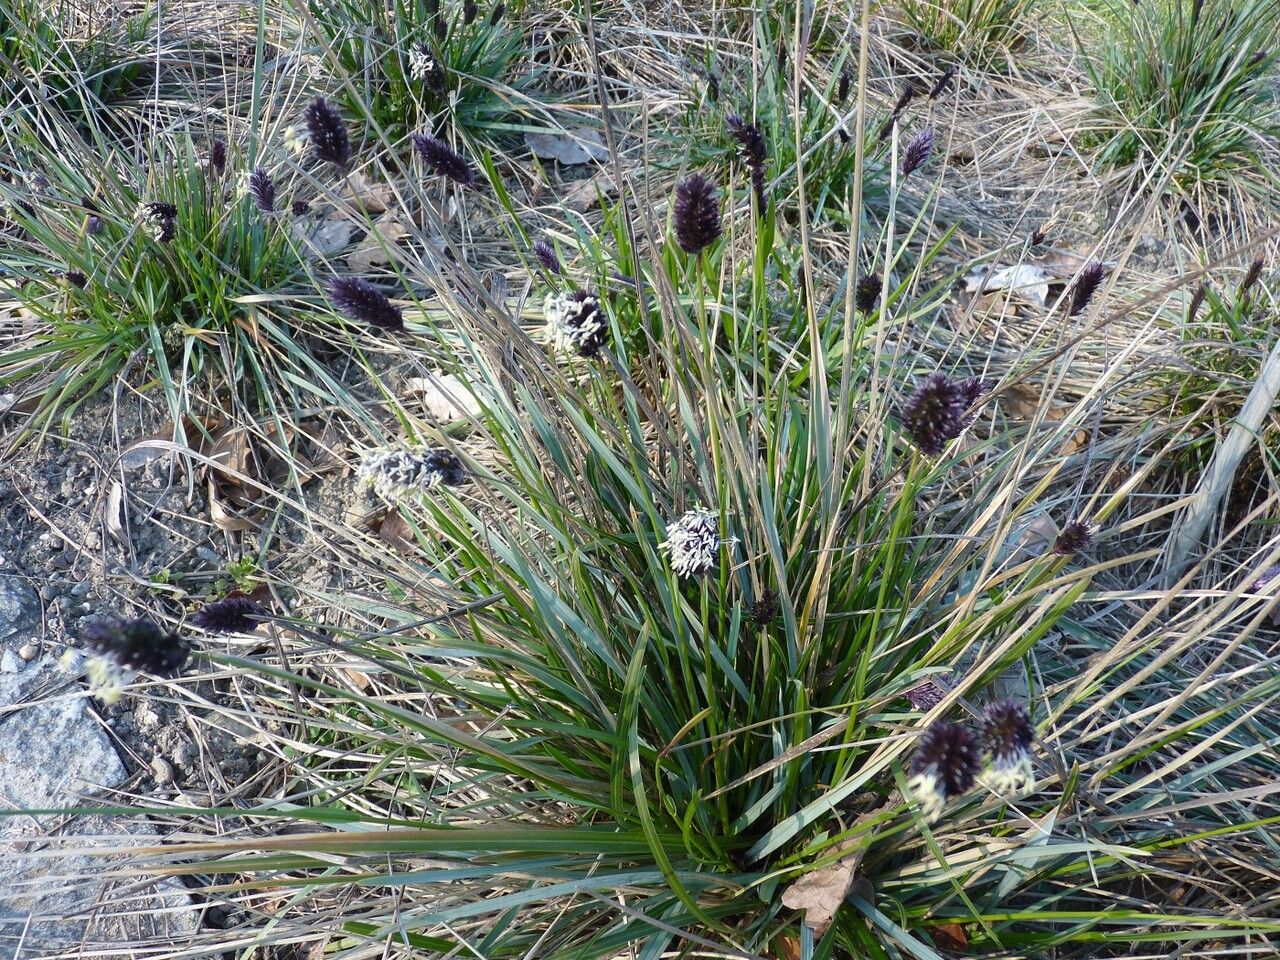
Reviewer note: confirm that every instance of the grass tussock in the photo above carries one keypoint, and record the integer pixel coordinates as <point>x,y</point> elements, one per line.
<point>766,584</point>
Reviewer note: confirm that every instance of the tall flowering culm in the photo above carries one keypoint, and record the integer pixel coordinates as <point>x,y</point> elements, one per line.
<point>944,766</point>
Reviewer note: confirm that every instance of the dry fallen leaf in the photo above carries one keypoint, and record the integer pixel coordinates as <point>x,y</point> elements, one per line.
<point>788,947</point>
<point>373,250</point>
<point>573,147</point>
<point>951,936</point>
<point>325,238</point>
<point>445,398</point>
<point>243,464</point>
<point>113,512</point>
<point>367,196</point>
<point>585,194</point>
<point>821,892</point>
<point>1029,282</point>
<point>1023,401</point>
<point>398,533</point>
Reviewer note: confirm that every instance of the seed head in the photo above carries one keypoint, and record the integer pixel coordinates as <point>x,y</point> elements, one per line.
<point>1197,301</point>
<point>261,190</point>
<point>908,94</point>
<point>76,278</point>
<point>575,323</point>
<point>234,613</point>
<point>1038,236</point>
<point>935,413</point>
<point>972,390</point>
<point>442,159</point>
<point>751,148</point>
<point>470,10</point>
<point>944,766</point>
<point>218,155</point>
<point>926,695</point>
<point>1074,537</point>
<point>328,133</point>
<point>693,543</point>
<point>697,214</point>
<point>300,208</point>
<point>498,13</point>
<point>1265,579</point>
<point>361,301</point>
<point>406,473</point>
<point>866,294</point>
<point>843,84</point>
<point>1251,278</point>
<point>1084,287</point>
<point>1006,737</point>
<point>546,255</point>
<point>764,608</point>
<point>917,151</point>
<point>137,644</point>
<point>944,81</point>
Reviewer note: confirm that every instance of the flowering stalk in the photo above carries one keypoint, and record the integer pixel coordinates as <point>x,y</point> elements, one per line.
<point>693,543</point>
<point>944,766</point>
<point>697,214</point>
<point>403,474</point>
<point>1006,737</point>
<point>575,323</point>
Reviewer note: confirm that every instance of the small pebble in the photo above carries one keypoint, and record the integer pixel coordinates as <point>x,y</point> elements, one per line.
<point>162,770</point>
<point>28,651</point>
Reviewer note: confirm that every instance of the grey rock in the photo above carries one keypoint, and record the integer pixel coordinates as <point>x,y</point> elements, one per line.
<point>53,754</point>
<point>10,662</point>
<point>19,609</point>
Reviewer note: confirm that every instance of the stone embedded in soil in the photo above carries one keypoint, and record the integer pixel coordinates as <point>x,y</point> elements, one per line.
<point>54,754</point>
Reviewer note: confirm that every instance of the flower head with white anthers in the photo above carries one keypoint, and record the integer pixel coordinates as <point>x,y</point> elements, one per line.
<point>944,766</point>
<point>693,543</point>
<point>1007,735</point>
<point>424,67</point>
<point>123,646</point>
<point>575,323</point>
<point>160,219</point>
<point>404,473</point>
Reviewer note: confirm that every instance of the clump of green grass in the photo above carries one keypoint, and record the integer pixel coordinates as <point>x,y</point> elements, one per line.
<point>1183,90</point>
<point>980,32</point>
<point>412,64</point>
<point>72,62</point>
<point>178,266</point>
<point>685,615</point>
